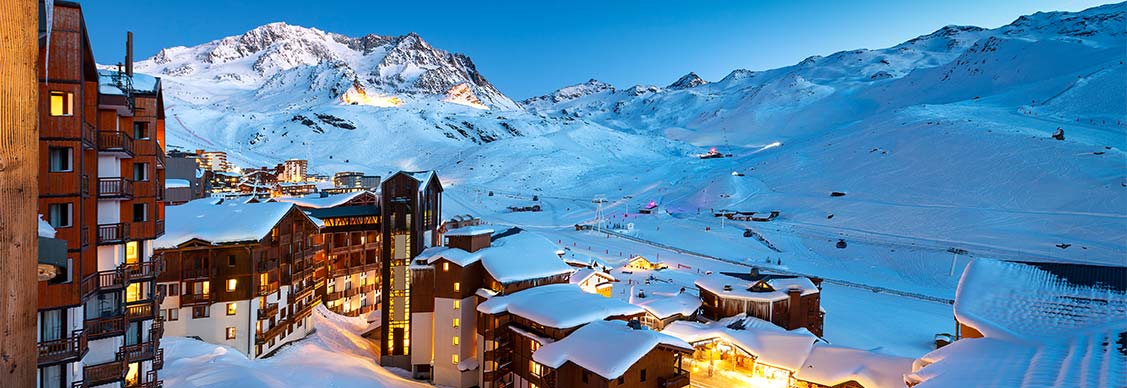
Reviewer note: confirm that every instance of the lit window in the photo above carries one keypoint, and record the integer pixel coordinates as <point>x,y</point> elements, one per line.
<point>457,286</point>
<point>454,358</point>
<point>230,333</point>
<point>457,322</point>
<point>231,284</point>
<point>230,309</point>
<point>455,340</point>
<point>62,103</point>
<point>457,304</point>
<point>445,267</point>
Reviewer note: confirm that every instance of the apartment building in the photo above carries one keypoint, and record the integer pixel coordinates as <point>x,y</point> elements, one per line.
<point>240,274</point>
<point>294,170</point>
<point>101,181</point>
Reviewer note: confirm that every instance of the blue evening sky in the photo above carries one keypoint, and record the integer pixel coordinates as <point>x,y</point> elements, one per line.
<point>531,48</point>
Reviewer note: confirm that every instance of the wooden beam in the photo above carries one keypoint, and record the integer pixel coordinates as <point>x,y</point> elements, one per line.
<point>19,190</point>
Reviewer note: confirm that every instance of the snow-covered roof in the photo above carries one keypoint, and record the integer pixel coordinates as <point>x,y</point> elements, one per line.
<point>228,173</point>
<point>665,306</point>
<point>769,343</point>
<point>582,274</point>
<point>1039,329</point>
<point>522,256</point>
<point>1020,301</point>
<point>229,221</point>
<point>608,348</point>
<point>833,365</point>
<point>454,255</point>
<point>740,288</point>
<point>45,228</point>
<point>560,306</point>
<point>173,183</point>
<point>469,231</point>
<point>422,176</point>
<point>318,202</point>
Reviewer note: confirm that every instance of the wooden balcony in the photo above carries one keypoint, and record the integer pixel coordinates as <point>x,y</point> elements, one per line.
<point>157,329</point>
<point>267,265</point>
<point>194,299</point>
<point>138,352</point>
<point>267,289</point>
<point>114,142</point>
<point>267,311</point>
<point>104,327</point>
<point>115,188</point>
<point>89,136</point>
<point>368,288</point>
<point>95,375</point>
<point>273,332</point>
<point>63,349</point>
<point>141,311</point>
<point>678,381</point>
<point>151,380</point>
<point>160,158</point>
<point>109,234</point>
<point>102,281</point>
<point>158,359</point>
<point>144,270</point>
<point>160,223</point>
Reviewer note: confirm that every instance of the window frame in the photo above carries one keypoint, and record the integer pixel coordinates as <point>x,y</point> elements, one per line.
<point>68,152</point>
<point>66,106</point>
<point>69,214</point>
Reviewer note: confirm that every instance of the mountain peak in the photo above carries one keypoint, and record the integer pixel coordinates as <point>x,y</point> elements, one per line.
<point>686,81</point>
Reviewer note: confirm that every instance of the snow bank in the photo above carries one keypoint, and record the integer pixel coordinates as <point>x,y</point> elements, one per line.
<point>607,348</point>
<point>334,356</point>
<point>176,183</point>
<point>45,228</point>
<point>560,306</point>
<point>833,365</point>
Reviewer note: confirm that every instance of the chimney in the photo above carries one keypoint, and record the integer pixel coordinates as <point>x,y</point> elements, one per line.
<point>796,309</point>
<point>129,54</point>
<point>755,272</point>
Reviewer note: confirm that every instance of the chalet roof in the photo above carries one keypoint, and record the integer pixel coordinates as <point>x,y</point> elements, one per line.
<point>469,231</point>
<point>585,273</point>
<point>454,255</point>
<point>832,366</point>
<point>1040,329</point>
<point>319,202</point>
<point>423,177</point>
<point>220,222</point>
<point>511,259</point>
<point>748,287</point>
<point>344,211</point>
<point>560,306</point>
<point>607,348</point>
<point>665,306</point>
<point>770,344</point>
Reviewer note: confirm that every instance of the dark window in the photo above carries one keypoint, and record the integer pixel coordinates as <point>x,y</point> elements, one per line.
<point>52,324</point>
<point>140,212</point>
<point>621,379</point>
<point>140,172</point>
<point>585,374</point>
<point>230,260</point>
<point>140,131</point>
<point>200,312</point>
<point>162,289</point>
<point>174,289</point>
<point>59,215</point>
<point>643,377</point>
<point>61,159</point>
<point>53,376</point>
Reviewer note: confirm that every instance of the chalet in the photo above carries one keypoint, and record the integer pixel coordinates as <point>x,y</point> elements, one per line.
<point>349,225</point>
<point>639,262</point>
<point>790,302</point>
<point>294,189</point>
<point>613,354</point>
<point>240,274</point>
<point>1033,325</point>
<point>101,179</point>
<point>594,281</point>
<point>662,310</point>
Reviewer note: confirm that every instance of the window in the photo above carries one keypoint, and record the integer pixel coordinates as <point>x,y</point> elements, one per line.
<point>585,377</point>
<point>140,131</point>
<point>230,260</point>
<point>457,286</point>
<point>174,289</point>
<point>173,314</point>
<point>52,376</point>
<point>61,159</point>
<point>643,377</point>
<point>140,212</point>
<point>230,309</point>
<point>59,215</point>
<point>455,340</point>
<point>535,368</point>
<point>457,304</point>
<point>457,322</point>
<point>230,333</point>
<point>231,284</point>
<point>200,312</point>
<point>140,172</point>
<point>621,380</point>
<point>62,103</point>
<point>445,267</point>
<point>454,359</point>
<point>163,315</point>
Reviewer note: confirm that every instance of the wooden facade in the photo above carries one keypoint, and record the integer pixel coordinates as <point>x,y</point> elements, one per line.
<point>797,309</point>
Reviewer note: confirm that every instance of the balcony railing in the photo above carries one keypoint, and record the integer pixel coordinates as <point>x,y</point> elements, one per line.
<point>138,352</point>
<point>267,289</point>
<point>160,224</point>
<point>267,265</point>
<point>112,141</point>
<point>151,380</point>
<point>267,311</point>
<point>160,158</point>
<point>191,299</point>
<point>368,288</point>
<point>678,381</point>
<point>63,349</point>
<point>140,312</point>
<point>104,327</point>
<point>85,183</point>
<point>89,136</point>
<point>109,234</point>
<point>102,280</point>
<point>115,188</point>
<point>94,375</point>
<point>270,333</point>
<point>158,359</point>
<point>144,270</point>
<point>157,329</point>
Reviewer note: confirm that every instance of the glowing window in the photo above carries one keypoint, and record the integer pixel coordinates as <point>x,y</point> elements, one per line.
<point>445,267</point>
<point>62,103</point>
<point>231,284</point>
<point>457,286</point>
<point>230,333</point>
<point>454,358</point>
<point>455,340</point>
<point>457,322</point>
<point>457,304</point>
<point>230,309</point>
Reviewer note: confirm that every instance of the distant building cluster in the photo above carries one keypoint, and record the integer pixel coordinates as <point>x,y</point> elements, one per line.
<point>199,174</point>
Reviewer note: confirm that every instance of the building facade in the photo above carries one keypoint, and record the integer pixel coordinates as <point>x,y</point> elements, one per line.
<point>790,302</point>
<point>294,170</point>
<point>101,180</point>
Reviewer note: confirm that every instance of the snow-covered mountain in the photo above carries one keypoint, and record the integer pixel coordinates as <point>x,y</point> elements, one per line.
<point>941,141</point>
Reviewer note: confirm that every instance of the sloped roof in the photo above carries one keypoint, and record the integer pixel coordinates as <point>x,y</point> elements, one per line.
<point>769,343</point>
<point>607,348</point>
<point>316,201</point>
<point>715,283</point>
<point>665,306</point>
<point>560,306</point>
<point>833,365</point>
<point>220,222</point>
